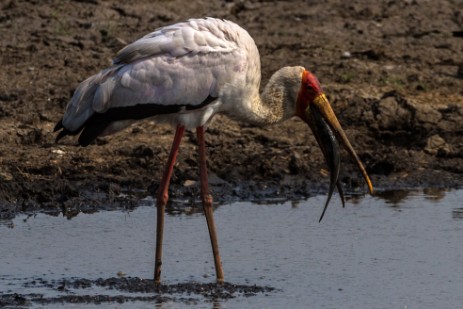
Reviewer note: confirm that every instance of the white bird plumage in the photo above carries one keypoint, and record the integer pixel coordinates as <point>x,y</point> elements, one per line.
<point>182,65</point>
<point>185,74</point>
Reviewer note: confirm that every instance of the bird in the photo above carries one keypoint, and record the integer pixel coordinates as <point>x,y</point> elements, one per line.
<point>186,73</point>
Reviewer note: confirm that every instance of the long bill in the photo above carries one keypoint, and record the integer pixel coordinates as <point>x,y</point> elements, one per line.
<point>327,130</point>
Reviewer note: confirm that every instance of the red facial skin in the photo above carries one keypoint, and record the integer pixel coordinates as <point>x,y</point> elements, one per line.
<point>310,89</point>
<point>312,93</point>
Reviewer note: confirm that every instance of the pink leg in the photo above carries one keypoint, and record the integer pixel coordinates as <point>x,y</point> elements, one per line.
<point>207,204</point>
<point>162,198</point>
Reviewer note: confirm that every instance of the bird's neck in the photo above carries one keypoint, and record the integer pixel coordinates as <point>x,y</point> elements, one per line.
<point>268,107</point>
<point>277,102</point>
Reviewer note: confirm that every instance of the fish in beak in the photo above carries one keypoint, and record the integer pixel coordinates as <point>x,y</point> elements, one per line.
<point>313,107</point>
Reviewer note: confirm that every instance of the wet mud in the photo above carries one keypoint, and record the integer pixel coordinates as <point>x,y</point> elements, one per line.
<point>391,69</point>
<point>141,289</point>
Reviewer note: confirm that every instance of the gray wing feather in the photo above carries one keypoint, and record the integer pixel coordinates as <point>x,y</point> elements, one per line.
<point>197,36</point>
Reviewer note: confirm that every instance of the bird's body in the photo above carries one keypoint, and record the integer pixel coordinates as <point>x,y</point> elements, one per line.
<point>185,74</point>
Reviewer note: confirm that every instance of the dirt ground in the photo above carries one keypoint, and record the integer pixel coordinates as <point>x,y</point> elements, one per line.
<point>393,71</point>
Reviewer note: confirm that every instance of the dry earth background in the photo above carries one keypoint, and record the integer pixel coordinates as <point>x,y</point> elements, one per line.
<point>393,71</point>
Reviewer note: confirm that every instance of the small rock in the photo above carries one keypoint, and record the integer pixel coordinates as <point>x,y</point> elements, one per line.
<point>346,55</point>
<point>391,115</point>
<point>121,274</point>
<point>6,176</point>
<point>436,144</point>
<point>59,152</point>
<point>427,115</point>
<point>189,183</point>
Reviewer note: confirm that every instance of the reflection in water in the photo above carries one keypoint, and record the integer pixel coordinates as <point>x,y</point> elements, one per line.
<point>216,305</point>
<point>7,222</point>
<point>434,193</point>
<point>393,197</point>
<point>170,305</point>
<point>396,197</point>
<point>457,213</point>
<point>193,206</point>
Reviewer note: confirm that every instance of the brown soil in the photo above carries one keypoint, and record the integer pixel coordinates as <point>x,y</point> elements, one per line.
<point>393,71</point>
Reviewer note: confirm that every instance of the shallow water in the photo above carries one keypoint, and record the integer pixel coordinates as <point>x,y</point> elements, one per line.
<point>396,250</point>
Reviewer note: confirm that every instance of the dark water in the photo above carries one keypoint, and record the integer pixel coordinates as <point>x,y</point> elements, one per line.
<point>397,250</point>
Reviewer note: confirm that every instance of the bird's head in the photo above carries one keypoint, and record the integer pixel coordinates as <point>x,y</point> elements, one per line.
<point>313,107</point>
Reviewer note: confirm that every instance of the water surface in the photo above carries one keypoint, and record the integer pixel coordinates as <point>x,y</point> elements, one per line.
<point>400,250</point>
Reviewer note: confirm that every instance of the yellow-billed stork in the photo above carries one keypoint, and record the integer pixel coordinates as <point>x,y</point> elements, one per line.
<point>186,73</point>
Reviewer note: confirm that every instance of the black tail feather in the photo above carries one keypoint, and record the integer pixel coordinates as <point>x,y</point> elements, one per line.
<point>58,126</point>
<point>60,135</point>
<point>98,122</point>
<point>64,131</point>
<point>91,132</point>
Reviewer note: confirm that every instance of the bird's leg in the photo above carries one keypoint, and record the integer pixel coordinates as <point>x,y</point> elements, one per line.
<point>162,198</point>
<point>207,204</point>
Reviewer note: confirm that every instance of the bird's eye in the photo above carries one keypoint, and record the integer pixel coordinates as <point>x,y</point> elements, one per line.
<point>309,88</point>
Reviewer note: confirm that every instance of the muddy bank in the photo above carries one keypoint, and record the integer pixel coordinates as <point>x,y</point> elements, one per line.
<point>392,71</point>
